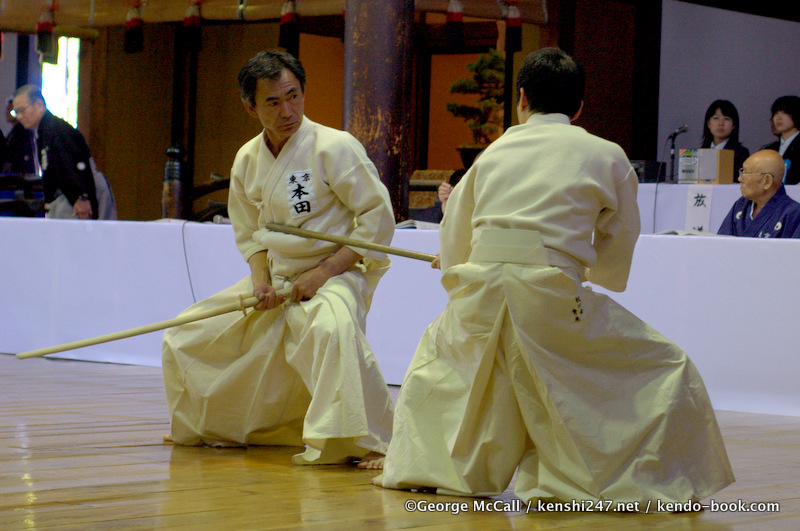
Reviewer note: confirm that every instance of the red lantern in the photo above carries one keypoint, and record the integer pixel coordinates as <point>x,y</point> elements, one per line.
<point>289,36</point>
<point>513,26</point>
<point>46,43</point>
<point>455,23</point>
<point>192,23</point>
<point>134,29</point>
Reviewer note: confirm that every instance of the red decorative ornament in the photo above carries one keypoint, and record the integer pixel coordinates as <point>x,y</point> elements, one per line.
<point>289,36</point>
<point>46,44</point>
<point>134,29</point>
<point>513,26</point>
<point>192,22</point>
<point>192,15</point>
<point>455,23</point>
<point>288,12</point>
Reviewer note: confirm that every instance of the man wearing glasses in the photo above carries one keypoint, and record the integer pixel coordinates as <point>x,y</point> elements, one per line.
<point>18,145</point>
<point>61,157</point>
<point>764,210</point>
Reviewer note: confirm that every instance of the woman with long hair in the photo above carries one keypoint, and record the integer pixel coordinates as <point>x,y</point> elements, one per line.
<point>721,131</point>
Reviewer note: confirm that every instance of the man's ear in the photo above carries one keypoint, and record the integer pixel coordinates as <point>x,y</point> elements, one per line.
<point>577,114</point>
<point>250,109</point>
<point>523,106</point>
<point>769,180</point>
<point>522,102</point>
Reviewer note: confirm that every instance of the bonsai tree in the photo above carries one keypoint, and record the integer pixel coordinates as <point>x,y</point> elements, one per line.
<point>487,81</point>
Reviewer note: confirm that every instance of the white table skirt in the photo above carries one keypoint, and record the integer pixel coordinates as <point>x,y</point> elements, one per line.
<point>728,302</point>
<point>65,280</point>
<point>667,203</point>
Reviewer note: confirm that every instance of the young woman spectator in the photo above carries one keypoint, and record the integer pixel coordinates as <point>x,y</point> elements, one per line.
<point>721,131</point>
<point>785,117</point>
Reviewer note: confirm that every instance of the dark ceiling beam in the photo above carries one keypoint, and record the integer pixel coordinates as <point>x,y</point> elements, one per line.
<point>323,25</point>
<point>478,37</point>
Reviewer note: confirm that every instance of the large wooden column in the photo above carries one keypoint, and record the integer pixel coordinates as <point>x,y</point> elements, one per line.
<point>378,47</point>
<point>184,117</point>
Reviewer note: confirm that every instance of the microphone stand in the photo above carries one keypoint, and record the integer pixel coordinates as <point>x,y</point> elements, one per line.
<point>672,137</point>
<point>672,158</point>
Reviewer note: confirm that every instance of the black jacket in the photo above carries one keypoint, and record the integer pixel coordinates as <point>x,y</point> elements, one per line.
<point>19,151</point>
<point>792,154</point>
<point>64,158</point>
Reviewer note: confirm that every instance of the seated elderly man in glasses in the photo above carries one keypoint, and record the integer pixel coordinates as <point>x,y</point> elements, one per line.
<point>764,210</point>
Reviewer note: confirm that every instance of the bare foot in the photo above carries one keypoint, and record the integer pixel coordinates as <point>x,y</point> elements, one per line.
<point>372,461</point>
<point>378,480</point>
<point>168,438</point>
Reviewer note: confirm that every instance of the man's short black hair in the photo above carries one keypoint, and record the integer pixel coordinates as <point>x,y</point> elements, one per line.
<point>553,82</point>
<point>790,105</point>
<point>268,65</point>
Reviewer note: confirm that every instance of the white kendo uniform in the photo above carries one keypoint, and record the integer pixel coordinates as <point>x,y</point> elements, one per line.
<point>528,368</point>
<point>302,373</point>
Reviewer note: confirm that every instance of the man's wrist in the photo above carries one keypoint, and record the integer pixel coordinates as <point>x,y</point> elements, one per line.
<point>331,270</point>
<point>260,280</point>
<point>84,197</point>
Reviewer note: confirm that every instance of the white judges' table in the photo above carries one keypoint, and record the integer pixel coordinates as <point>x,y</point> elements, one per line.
<point>667,204</point>
<point>729,302</point>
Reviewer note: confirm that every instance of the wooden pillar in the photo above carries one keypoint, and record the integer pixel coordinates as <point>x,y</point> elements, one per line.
<point>509,88</point>
<point>184,110</point>
<point>378,48</point>
<point>646,70</point>
<point>23,59</point>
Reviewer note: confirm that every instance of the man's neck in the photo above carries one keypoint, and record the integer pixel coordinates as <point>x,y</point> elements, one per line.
<point>35,127</point>
<point>274,148</point>
<point>761,202</point>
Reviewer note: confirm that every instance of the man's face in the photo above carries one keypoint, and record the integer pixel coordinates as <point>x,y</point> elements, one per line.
<point>28,114</point>
<point>279,106</point>
<point>751,180</point>
<point>782,122</point>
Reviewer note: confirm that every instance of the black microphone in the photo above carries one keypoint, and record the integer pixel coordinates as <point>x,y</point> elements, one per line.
<point>682,129</point>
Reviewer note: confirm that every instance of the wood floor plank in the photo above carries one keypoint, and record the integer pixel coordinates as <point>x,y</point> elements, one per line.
<point>81,447</point>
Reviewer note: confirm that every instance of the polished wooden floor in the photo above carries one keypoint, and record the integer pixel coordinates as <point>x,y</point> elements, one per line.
<point>81,448</point>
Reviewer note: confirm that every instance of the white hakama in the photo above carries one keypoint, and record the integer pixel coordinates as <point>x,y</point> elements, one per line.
<point>529,370</point>
<point>302,373</point>
<point>528,367</point>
